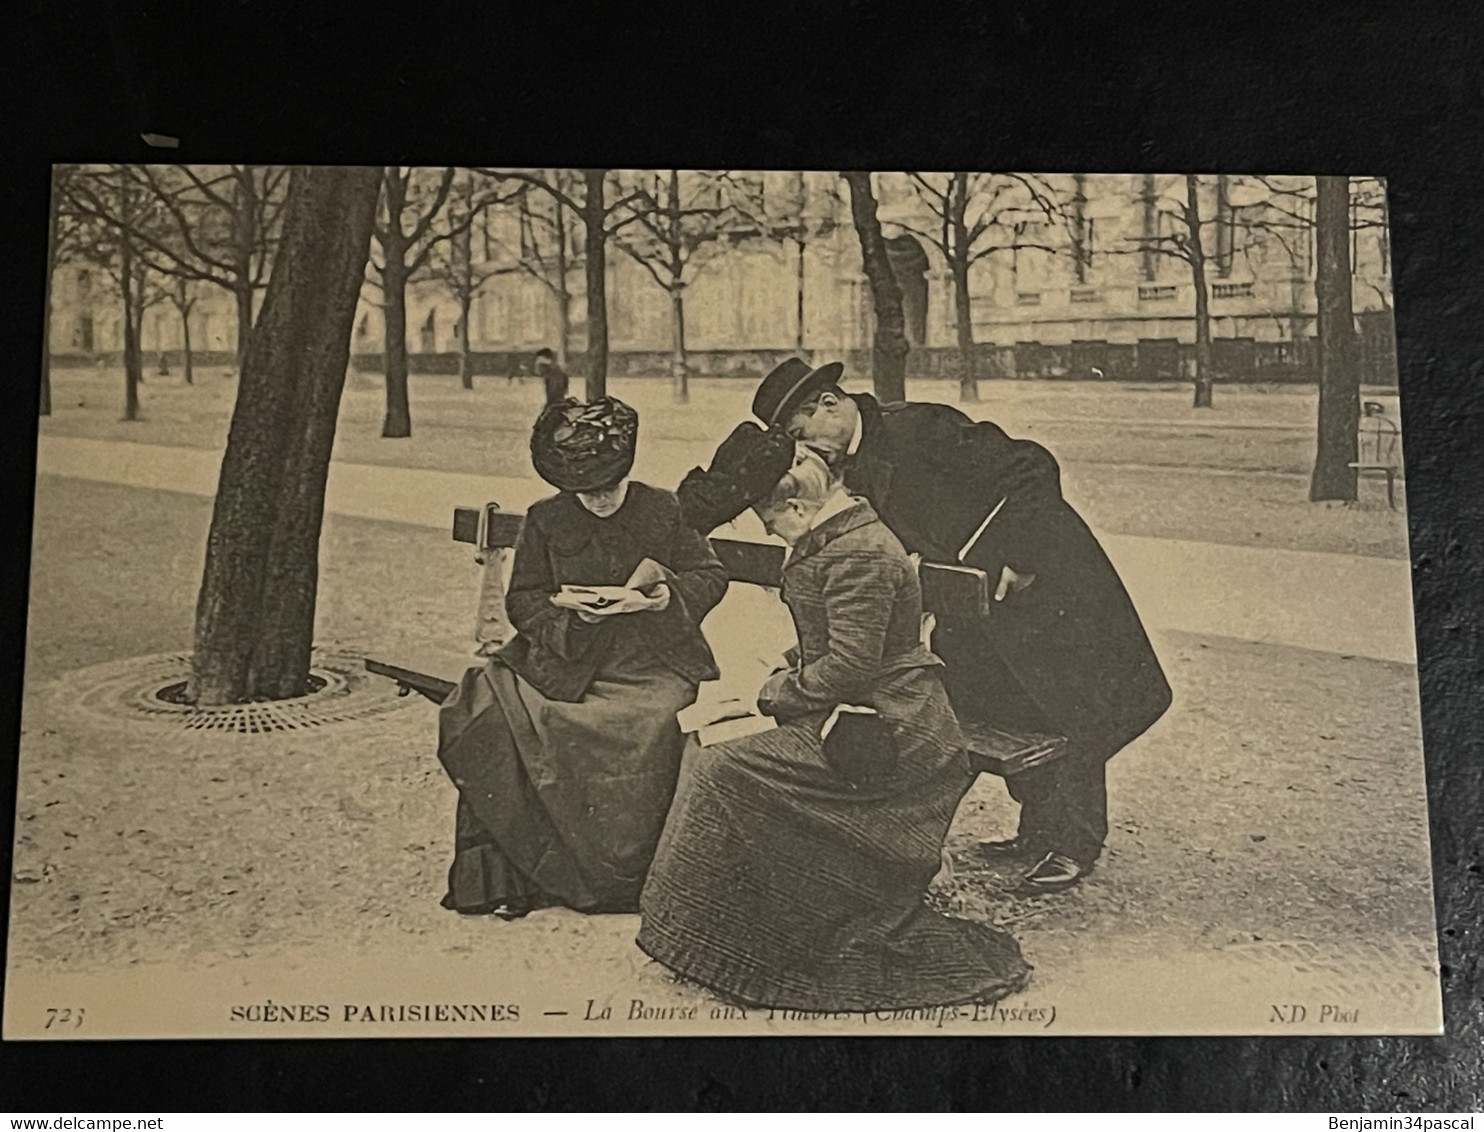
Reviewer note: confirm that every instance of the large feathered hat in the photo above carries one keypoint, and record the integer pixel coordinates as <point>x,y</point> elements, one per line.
<point>746,468</point>
<point>578,446</point>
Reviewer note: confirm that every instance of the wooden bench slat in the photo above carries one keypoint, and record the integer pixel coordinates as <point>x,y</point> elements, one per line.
<point>948,591</point>
<point>758,563</point>
<point>433,688</point>
<point>991,750</point>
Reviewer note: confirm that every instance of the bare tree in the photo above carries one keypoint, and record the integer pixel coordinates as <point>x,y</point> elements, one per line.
<point>255,613</point>
<point>889,346</point>
<point>64,239</point>
<point>410,223</point>
<point>680,218</point>
<point>117,215</point>
<point>548,250</point>
<point>602,218</point>
<point>974,216</point>
<point>455,262</point>
<point>1334,475</point>
<point>804,214</point>
<point>182,296</point>
<point>1175,226</point>
<point>215,224</point>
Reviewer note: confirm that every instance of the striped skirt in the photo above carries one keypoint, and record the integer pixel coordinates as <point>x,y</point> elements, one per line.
<point>779,882</point>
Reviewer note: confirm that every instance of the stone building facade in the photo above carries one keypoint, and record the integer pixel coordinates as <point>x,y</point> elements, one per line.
<point>1083,292</point>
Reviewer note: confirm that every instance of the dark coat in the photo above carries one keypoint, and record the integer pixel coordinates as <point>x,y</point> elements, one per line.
<point>563,543</point>
<point>1070,643</point>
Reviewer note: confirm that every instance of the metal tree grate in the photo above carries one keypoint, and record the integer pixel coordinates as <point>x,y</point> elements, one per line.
<point>344,692</point>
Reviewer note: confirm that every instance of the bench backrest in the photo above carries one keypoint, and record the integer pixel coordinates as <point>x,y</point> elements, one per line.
<point>948,591</point>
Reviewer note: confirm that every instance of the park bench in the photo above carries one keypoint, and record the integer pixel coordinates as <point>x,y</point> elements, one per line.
<point>1378,447</point>
<point>948,591</point>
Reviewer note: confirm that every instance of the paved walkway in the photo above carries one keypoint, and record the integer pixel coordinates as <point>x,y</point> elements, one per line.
<point>1351,605</point>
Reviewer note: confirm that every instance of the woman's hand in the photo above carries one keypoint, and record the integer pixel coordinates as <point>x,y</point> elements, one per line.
<point>584,613</point>
<point>635,601</point>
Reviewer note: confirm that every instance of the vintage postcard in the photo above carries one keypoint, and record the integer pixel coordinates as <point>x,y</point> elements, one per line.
<point>500,602</point>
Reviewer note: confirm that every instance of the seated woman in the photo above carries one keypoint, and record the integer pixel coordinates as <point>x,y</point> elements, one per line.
<point>792,870</point>
<point>564,746</point>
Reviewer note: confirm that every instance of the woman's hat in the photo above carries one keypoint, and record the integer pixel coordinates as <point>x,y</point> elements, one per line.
<point>584,447</point>
<point>788,386</point>
<point>746,468</point>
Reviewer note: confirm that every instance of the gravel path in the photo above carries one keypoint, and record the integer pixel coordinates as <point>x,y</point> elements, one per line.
<point>1136,459</point>
<point>1280,804</point>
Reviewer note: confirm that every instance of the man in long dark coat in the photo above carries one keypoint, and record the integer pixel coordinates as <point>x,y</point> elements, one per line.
<point>1062,650</point>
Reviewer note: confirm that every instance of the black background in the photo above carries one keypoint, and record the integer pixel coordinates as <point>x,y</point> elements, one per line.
<point>1393,89</point>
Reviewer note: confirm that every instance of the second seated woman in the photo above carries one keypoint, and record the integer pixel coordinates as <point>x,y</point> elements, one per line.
<point>794,865</point>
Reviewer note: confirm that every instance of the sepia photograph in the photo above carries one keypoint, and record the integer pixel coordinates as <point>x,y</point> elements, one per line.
<point>491,601</point>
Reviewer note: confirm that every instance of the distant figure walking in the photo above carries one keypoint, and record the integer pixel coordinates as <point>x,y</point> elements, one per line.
<point>554,377</point>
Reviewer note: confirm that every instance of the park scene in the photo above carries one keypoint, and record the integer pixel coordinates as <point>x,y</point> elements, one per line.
<point>268,390</point>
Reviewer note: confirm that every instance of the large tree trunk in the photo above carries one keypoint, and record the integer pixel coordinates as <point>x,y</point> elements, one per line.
<point>255,613</point>
<point>679,367</point>
<point>466,360</point>
<point>889,347</point>
<point>1339,371</point>
<point>398,422</point>
<point>595,218</point>
<point>1204,377</point>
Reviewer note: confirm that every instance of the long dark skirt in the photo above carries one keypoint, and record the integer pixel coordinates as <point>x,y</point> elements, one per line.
<point>560,803</point>
<point>778,883</point>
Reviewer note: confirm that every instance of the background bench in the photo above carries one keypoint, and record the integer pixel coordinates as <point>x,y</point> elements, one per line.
<point>1378,447</point>
<point>948,591</point>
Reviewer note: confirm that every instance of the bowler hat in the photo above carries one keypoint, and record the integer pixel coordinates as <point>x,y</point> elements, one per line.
<point>783,390</point>
<point>746,468</point>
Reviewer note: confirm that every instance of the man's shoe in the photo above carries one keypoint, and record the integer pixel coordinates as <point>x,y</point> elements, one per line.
<point>1055,872</point>
<point>1005,850</point>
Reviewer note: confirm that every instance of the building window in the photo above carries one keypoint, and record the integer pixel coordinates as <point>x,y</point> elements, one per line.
<point>1225,228</point>
<point>496,318</point>
<point>531,314</point>
<point>1081,230</point>
<point>1149,199</point>
<point>1231,290</point>
<point>1153,293</point>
